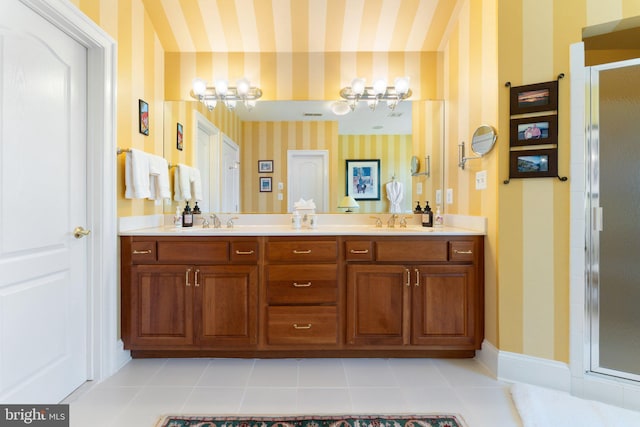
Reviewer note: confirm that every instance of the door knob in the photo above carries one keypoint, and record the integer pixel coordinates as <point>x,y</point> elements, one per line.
<point>80,232</point>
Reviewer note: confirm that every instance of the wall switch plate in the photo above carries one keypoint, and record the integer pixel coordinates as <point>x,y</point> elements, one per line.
<point>449,196</point>
<point>481,180</point>
<point>438,197</point>
<point>279,196</point>
<point>280,186</point>
<point>419,188</point>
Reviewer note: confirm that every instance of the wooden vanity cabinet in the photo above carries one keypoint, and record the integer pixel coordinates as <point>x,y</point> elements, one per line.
<point>301,293</point>
<point>189,293</point>
<point>417,293</point>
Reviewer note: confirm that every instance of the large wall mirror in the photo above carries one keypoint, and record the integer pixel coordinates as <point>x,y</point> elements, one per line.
<point>266,136</point>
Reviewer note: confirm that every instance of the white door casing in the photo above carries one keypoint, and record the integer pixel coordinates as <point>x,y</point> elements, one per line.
<point>308,178</point>
<point>207,161</point>
<point>230,176</point>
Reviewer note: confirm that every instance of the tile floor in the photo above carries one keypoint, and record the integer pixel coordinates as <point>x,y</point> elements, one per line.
<point>144,389</point>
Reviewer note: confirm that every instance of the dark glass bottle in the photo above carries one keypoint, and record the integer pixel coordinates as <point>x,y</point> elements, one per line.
<point>187,216</point>
<point>418,209</point>
<point>427,216</point>
<point>196,214</point>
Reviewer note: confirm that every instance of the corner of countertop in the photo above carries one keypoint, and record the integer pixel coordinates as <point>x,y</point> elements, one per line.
<point>478,223</point>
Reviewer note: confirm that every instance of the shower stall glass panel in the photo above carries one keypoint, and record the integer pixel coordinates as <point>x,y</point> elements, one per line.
<point>614,213</point>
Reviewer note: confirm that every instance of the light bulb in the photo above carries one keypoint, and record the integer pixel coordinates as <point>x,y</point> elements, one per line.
<point>402,85</point>
<point>199,86</point>
<point>357,86</point>
<point>379,87</point>
<point>222,87</point>
<point>243,86</point>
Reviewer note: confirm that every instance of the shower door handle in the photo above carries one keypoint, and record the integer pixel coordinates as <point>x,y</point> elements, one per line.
<point>597,219</point>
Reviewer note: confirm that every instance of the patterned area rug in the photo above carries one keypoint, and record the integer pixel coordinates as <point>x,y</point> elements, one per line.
<point>313,421</point>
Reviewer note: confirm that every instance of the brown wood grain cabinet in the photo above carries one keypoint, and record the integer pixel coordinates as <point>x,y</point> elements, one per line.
<point>314,296</point>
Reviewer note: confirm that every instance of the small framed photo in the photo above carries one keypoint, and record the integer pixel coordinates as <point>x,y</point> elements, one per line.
<point>534,131</point>
<point>265,184</point>
<point>533,163</point>
<point>265,166</point>
<point>143,117</point>
<point>179,137</point>
<point>363,179</point>
<point>534,98</point>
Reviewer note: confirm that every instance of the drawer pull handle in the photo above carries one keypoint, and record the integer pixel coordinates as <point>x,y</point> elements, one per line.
<point>408,277</point>
<point>145,252</point>
<point>298,251</point>
<point>307,326</point>
<point>251,252</point>
<point>469,252</point>
<point>359,251</point>
<point>301,285</point>
<point>186,277</point>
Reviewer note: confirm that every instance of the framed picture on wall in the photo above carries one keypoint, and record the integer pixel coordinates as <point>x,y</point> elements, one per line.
<point>534,98</point>
<point>179,137</point>
<point>265,166</point>
<point>143,117</point>
<point>265,184</point>
<point>363,179</point>
<point>533,163</point>
<point>534,131</point>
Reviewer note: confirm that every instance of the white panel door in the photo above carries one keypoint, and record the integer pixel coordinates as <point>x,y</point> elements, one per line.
<point>308,178</point>
<point>230,176</point>
<point>43,267</point>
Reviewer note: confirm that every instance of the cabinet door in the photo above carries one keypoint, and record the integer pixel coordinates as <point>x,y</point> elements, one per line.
<point>226,308</point>
<point>161,305</point>
<point>444,306</point>
<point>377,305</point>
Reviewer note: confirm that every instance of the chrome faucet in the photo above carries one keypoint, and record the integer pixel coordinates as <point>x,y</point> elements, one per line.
<point>230,222</point>
<point>216,221</point>
<point>403,222</point>
<point>378,221</point>
<point>392,221</point>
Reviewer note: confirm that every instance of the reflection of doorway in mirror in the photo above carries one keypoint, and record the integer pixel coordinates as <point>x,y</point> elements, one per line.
<point>308,178</point>
<point>230,188</point>
<point>207,161</point>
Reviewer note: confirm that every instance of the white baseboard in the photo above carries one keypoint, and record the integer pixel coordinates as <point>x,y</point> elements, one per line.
<point>515,367</point>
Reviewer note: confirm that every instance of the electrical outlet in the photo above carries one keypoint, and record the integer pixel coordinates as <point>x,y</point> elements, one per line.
<point>419,188</point>
<point>279,196</point>
<point>449,196</point>
<point>438,197</point>
<point>280,186</point>
<point>481,180</point>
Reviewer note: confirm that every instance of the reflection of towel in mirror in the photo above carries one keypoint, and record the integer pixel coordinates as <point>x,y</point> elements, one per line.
<point>394,194</point>
<point>159,178</point>
<point>136,175</point>
<point>187,184</point>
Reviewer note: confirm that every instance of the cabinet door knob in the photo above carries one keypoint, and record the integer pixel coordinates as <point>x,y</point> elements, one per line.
<point>307,326</point>
<point>186,277</point>
<point>301,285</point>
<point>417,277</point>
<point>298,251</point>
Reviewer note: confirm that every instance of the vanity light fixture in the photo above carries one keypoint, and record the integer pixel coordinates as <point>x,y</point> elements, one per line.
<point>348,202</point>
<point>229,95</point>
<point>359,91</point>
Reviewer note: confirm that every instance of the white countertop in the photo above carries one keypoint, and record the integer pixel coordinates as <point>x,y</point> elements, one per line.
<point>279,225</point>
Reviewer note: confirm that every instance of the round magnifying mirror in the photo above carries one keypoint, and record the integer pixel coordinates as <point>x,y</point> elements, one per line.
<point>415,164</point>
<point>483,140</point>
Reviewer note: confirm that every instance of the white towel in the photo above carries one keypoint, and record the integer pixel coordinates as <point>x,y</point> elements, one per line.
<point>394,194</point>
<point>159,178</point>
<point>136,175</point>
<point>187,183</point>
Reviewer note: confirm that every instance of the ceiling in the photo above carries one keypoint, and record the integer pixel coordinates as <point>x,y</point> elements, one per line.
<point>301,25</point>
<point>285,26</point>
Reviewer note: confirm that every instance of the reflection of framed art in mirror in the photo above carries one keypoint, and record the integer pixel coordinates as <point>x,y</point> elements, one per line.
<point>265,184</point>
<point>534,131</point>
<point>363,179</point>
<point>533,163</point>
<point>265,166</point>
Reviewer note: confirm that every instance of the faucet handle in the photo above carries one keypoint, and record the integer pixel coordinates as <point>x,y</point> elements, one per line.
<point>230,222</point>
<point>205,223</point>
<point>378,221</point>
<point>403,222</point>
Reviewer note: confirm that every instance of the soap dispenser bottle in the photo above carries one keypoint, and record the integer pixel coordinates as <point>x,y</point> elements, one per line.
<point>187,216</point>
<point>439,219</point>
<point>427,216</point>
<point>196,213</point>
<point>418,209</point>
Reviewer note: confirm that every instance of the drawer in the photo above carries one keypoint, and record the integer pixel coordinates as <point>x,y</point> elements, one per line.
<point>302,284</point>
<point>359,250</point>
<point>302,325</point>
<point>411,250</point>
<point>302,250</point>
<point>461,251</point>
<point>192,251</point>
<point>143,252</point>
<point>244,251</point>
